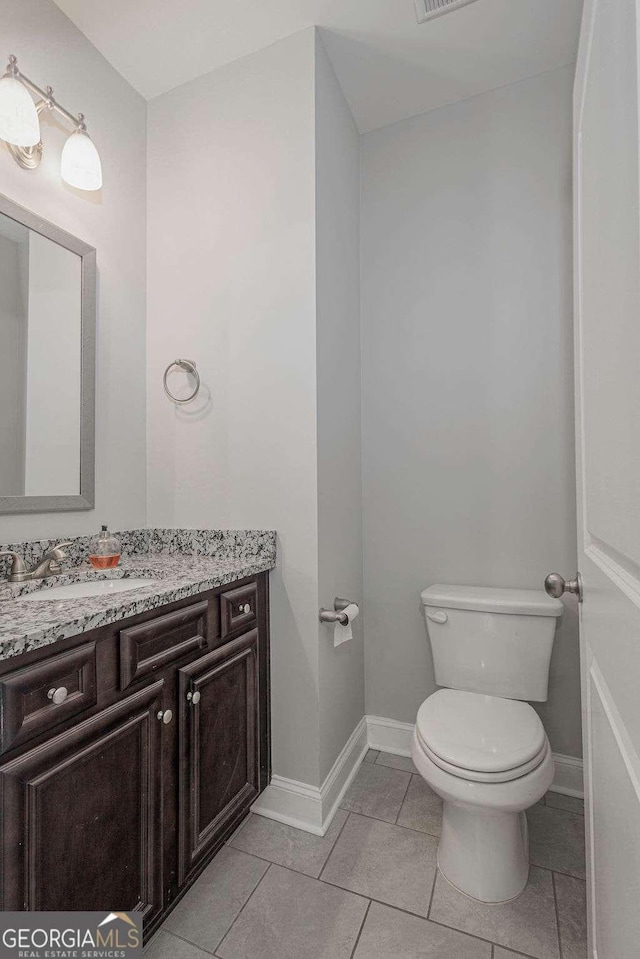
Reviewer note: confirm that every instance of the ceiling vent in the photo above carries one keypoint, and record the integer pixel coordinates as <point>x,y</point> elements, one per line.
<point>430,9</point>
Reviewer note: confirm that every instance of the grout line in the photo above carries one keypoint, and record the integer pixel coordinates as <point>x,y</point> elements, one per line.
<point>381,902</point>
<point>558,872</point>
<point>472,935</point>
<point>433,889</point>
<point>396,769</point>
<point>512,952</point>
<point>244,907</point>
<point>299,872</point>
<point>524,955</point>
<point>419,832</point>
<point>560,809</point>
<point>333,844</point>
<point>272,862</point>
<point>407,912</point>
<point>568,875</point>
<point>176,935</point>
<point>364,919</point>
<point>324,866</point>
<point>403,798</point>
<point>416,915</point>
<point>237,830</point>
<point>565,812</point>
<point>555,908</point>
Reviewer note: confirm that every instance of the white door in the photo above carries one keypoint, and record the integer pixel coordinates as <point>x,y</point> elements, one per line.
<point>607,312</point>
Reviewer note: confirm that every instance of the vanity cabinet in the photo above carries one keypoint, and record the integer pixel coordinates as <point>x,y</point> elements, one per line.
<point>119,787</point>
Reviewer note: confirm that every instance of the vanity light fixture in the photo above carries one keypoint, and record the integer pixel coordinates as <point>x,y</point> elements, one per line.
<point>20,128</point>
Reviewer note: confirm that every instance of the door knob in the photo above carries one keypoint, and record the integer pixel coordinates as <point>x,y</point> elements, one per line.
<point>194,698</point>
<point>555,585</point>
<point>165,716</point>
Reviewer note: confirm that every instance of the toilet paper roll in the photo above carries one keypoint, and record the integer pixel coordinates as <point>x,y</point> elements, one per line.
<point>342,634</point>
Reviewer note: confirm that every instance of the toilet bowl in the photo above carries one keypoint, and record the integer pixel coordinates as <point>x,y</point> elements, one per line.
<point>477,742</point>
<point>489,760</point>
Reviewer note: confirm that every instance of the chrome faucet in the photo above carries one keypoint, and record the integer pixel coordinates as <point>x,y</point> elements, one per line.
<point>49,565</point>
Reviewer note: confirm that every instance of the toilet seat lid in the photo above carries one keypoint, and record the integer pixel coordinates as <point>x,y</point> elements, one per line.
<point>483,733</point>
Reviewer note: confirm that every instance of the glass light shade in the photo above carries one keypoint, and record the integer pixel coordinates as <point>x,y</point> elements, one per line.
<point>19,123</point>
<point>80,165</point>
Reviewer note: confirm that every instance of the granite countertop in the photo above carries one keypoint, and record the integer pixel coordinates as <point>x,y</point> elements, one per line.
<point>29,625</point>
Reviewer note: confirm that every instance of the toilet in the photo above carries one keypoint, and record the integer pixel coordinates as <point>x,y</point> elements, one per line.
<point>477,742</point>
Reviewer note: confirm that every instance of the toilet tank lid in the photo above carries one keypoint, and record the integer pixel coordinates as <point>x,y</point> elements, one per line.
<point>490,599</point>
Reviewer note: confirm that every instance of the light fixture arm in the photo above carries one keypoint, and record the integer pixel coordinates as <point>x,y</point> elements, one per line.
<point>21,103</point>
<point>47,98</point>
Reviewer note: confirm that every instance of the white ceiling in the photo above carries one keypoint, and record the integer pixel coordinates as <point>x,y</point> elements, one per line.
<point>390,67</point>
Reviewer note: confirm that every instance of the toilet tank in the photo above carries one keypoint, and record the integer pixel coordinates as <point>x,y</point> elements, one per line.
<point>493,641</point>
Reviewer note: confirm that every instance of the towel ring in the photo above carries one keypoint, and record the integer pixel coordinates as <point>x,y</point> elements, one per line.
<point>189,367</point>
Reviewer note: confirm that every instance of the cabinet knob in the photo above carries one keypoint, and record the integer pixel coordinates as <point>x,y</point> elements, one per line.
<point>165,715</point>
<point>246,608</point>
<point>58,696</point>
<point>194,698</point>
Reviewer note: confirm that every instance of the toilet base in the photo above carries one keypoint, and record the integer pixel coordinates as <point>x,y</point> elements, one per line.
<point>484,852</point>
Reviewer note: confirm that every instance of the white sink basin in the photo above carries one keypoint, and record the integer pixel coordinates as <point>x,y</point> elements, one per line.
<point>97,587</point>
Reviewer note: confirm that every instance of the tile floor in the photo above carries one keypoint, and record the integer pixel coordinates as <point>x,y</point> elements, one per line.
<point>370,889</point>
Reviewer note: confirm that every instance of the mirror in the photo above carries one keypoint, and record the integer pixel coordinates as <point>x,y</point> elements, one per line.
<point>47,358</point>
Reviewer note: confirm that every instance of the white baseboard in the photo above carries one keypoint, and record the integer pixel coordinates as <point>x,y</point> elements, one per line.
<point>311,807</point>
<point>343,772</point>
<point>291,802</point>
<point>569,776</point>
<point>391,736</point>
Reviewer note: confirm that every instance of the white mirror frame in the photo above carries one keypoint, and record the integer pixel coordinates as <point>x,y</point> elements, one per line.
<point>86,498</point>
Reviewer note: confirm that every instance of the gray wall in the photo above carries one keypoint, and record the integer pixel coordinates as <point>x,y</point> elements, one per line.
<point>468,456</point>
<point>51,50</point>
<point>232,286</point>
<point>253,273</point>
<point>341,669</point>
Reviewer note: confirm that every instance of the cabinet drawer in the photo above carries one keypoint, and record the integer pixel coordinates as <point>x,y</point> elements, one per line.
<point>40,697</point>
<point>153,645</point>
<point>238,609</point>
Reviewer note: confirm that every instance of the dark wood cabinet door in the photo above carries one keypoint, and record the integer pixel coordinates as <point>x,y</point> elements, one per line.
<point>81,824</point>
<point>219,765</point>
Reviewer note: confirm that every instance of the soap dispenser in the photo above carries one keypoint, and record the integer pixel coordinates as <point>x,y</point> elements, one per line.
<point>104,550</point>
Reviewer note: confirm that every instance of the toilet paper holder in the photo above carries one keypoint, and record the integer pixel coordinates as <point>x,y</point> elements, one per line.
<point>335,615</point>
